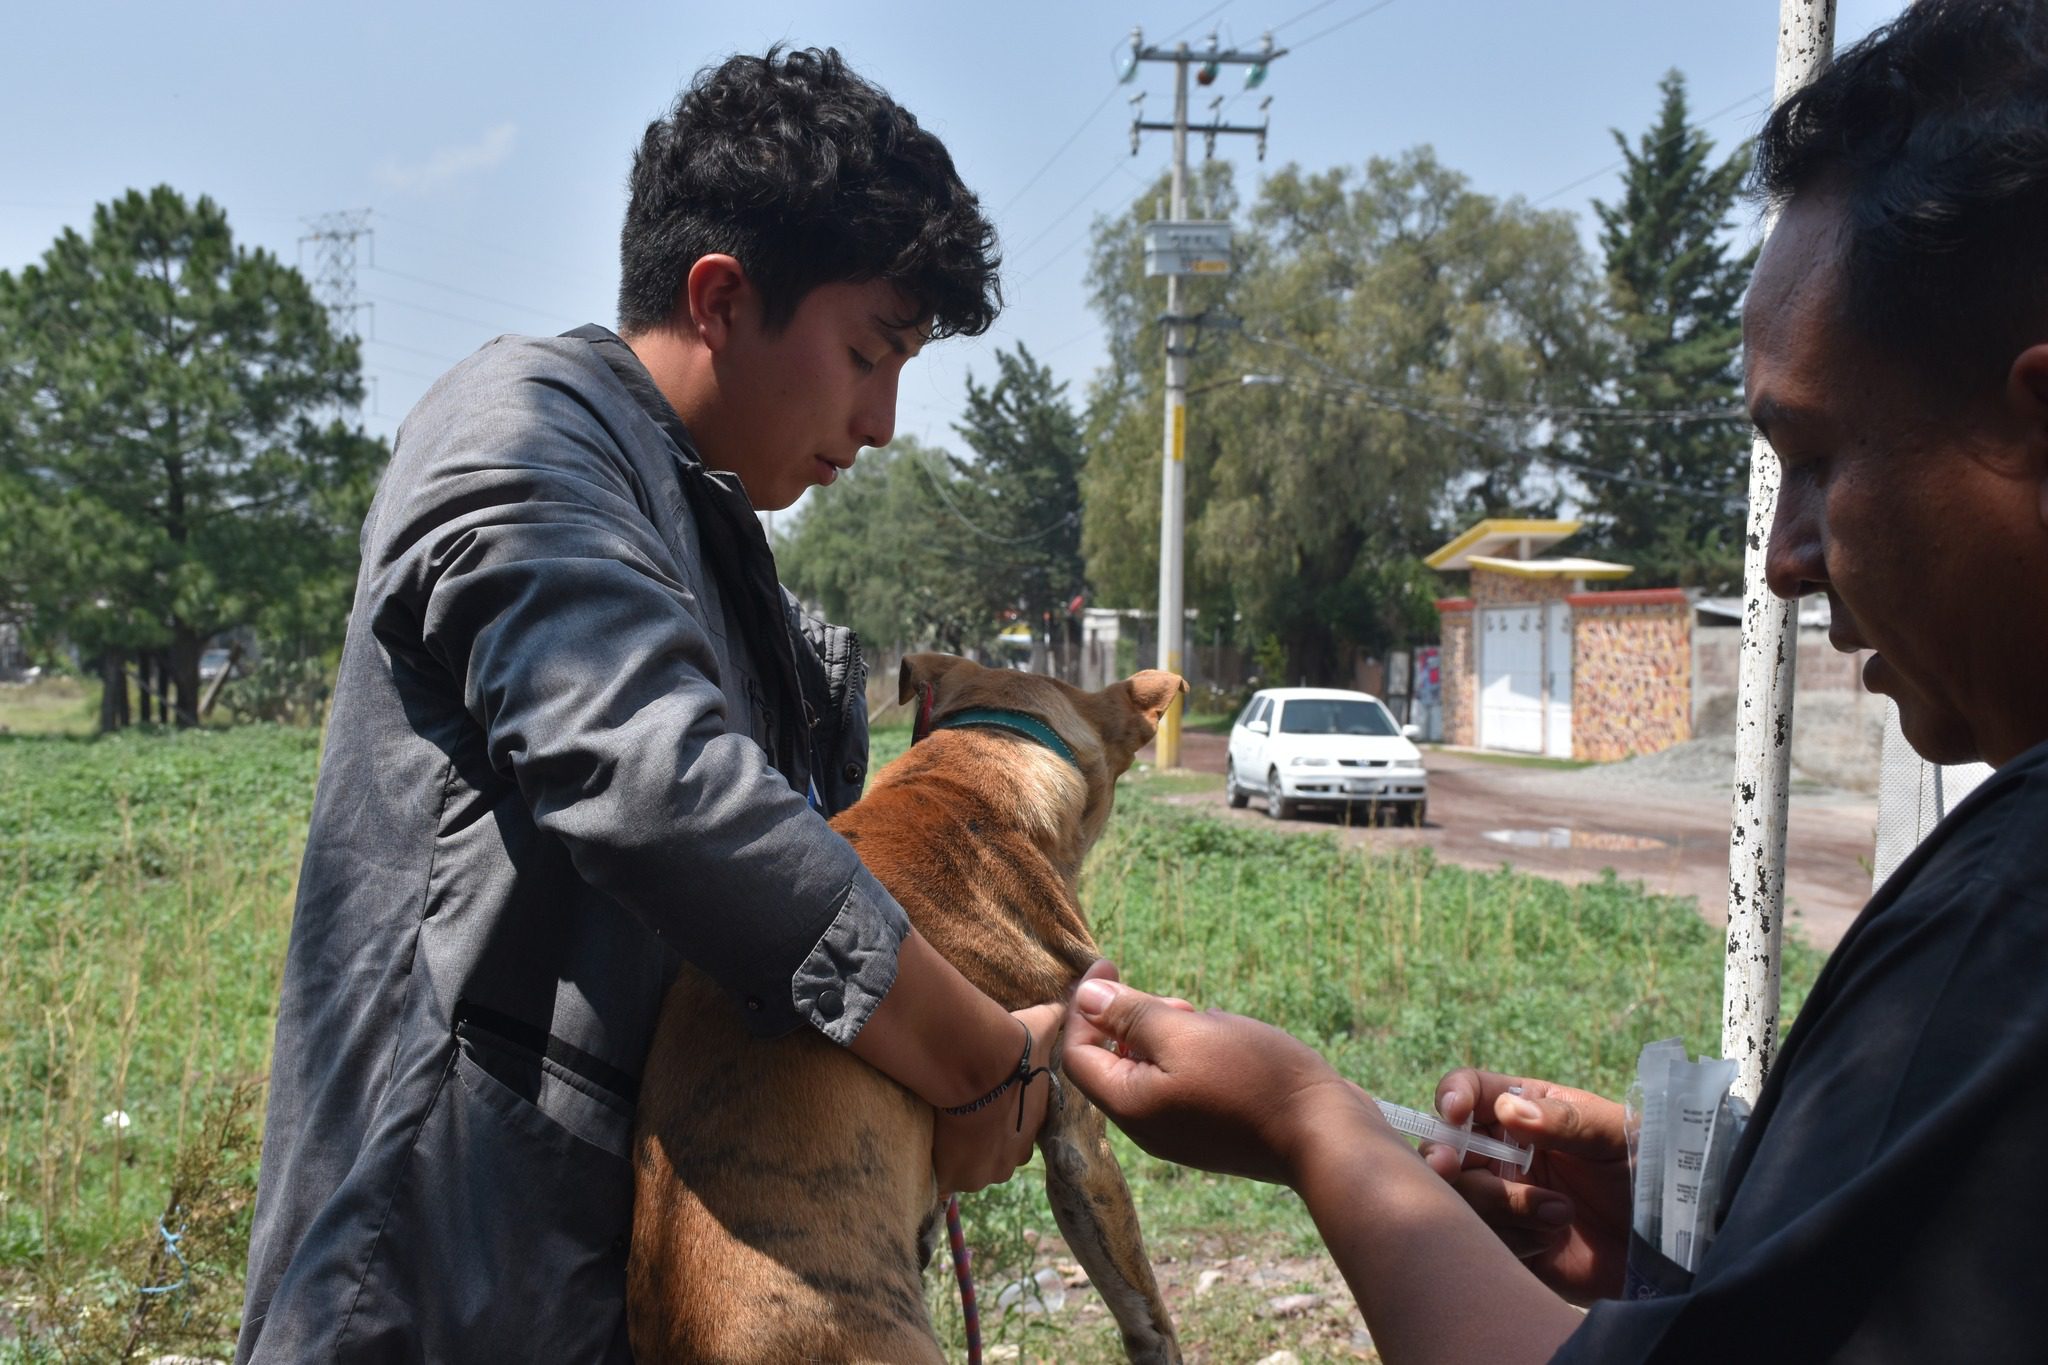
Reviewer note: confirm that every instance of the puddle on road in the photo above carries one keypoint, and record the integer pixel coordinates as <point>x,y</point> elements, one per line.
<point>1558,836</point>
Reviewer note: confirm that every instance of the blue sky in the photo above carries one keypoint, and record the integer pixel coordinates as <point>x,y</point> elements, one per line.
<point>491,141</point>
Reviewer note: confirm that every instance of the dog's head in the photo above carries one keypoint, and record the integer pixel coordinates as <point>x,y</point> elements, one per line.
<point>1104,729</point>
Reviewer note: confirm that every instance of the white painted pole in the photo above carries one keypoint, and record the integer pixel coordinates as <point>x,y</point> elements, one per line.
<point>1173,468</point>
<point>1763,709</point>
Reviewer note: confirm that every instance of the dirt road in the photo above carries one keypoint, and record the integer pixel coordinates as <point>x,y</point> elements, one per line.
<point>1570,824</point>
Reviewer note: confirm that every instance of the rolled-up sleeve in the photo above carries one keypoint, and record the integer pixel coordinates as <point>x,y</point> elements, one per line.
<point>854,962</point>
<point>518,558</point>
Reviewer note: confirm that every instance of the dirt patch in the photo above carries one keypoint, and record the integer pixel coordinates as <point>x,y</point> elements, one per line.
<point>1228,1309</point>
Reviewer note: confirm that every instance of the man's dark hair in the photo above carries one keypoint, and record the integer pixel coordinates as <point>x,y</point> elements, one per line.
<point>1934,132</point>
<point>807,175</point>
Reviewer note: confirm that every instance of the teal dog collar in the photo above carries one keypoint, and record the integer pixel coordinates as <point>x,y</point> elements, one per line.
<point>1014,721</point>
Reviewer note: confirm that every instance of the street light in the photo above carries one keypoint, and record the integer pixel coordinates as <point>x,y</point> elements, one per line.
<point>1245,381</point>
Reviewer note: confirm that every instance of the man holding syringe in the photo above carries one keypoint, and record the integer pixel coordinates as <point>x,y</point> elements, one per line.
<point>1889,1198</point>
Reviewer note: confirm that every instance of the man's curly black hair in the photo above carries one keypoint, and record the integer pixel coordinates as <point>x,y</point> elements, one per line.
<point>1933,131</point>
<point>807,175</point>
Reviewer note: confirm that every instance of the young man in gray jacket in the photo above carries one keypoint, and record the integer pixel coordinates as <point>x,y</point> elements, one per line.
<point>582,736</point>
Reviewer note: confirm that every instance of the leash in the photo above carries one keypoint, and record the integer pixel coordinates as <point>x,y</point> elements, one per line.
<point>1032,728</point>
<point>963,1271</point>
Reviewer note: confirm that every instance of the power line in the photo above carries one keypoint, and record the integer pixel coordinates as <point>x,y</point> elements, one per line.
<point>1610,413</point>
<point>1343,23</point>
<point>470,293</point>
<point>414,350</point>
<point>939,487</point>
<point>495,328</point>
<point>1312,9</point>
<point>1114,166</point>
<point>1364,394</point>
<point>383,368</point>
<point>1454,239</point>
<point>1196,22</point>
<point>1060,151</point>
<point>1751,98</point>
<point>1119,164</point>
<point>555,266</point>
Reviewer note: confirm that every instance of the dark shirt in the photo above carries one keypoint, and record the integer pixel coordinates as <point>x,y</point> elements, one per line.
<point>1890,1197</point>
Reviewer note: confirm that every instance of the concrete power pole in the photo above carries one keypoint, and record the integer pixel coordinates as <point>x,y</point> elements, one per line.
<point>1175,248</point>
<point>334,237</point>
<point>1763,707</point>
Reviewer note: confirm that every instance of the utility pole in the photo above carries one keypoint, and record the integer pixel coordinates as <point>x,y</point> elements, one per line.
<point>1763,706</point>
<point>1175,248</point>
<point>334,237</point>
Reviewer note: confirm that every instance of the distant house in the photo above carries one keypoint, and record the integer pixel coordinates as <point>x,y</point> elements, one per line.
<point>1533,662</point>
<point>13,658</point>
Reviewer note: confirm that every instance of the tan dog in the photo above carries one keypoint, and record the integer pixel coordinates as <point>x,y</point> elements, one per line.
<point>786,1205</point>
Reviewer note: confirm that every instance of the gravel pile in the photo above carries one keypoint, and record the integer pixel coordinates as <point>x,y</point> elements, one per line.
<point>1708,762</point>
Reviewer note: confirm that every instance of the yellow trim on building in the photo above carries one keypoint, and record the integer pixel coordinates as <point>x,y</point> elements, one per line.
<point>1551,568</point>
<point>1501,526</point>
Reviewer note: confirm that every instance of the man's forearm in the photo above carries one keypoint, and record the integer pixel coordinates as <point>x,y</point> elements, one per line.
<point>937,1035</point>
<point>1434,1283</point>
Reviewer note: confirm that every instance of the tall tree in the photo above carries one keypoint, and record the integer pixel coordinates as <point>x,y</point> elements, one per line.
<point>167,422</point>
<point>1025,491</point>
<point>1673,311</point>
<point>885,552</point>
<point>1404,334</point>
<point>920,546</point>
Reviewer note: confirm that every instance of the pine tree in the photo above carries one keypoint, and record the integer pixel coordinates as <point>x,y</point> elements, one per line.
<point>1026,480</point>
<point>1674,311</point>
<point>169,457</point>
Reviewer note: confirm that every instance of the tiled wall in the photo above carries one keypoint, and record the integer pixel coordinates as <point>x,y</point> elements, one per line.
<point>1461,688</point>
<point>1631,675</point>
<point>1491,588</point>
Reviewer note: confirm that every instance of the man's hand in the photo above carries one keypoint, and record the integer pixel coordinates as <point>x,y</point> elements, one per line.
<point>973,1151</point>
<point>1212,1090</point>
<point>1568,1217</point>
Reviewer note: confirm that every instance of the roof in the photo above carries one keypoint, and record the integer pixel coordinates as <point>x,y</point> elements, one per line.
<point>1505,537</point>
<point>1314,694</point>
<point>1550,568</point>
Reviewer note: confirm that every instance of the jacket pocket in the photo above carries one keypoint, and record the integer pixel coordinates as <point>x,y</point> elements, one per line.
<point>506,1238</point>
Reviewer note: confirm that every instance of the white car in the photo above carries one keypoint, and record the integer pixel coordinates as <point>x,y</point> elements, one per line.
<point>1316,745</point>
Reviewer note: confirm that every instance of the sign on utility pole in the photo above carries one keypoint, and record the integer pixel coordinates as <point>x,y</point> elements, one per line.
<point>1763,705</point>
<point>1177,248</point>
<point>1196,248</point>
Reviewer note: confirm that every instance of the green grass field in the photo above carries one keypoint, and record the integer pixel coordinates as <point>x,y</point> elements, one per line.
<point>50,706</point>
<point>145,902</point>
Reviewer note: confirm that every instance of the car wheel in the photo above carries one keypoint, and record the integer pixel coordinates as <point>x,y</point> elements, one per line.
<point>1277,806</point>
<point>1235,795</point>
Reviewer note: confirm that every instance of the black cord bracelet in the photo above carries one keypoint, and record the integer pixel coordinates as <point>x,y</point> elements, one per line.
<point>1021,1077</point>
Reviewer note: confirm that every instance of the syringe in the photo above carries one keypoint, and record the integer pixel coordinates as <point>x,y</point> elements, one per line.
<point>1417,1124</point>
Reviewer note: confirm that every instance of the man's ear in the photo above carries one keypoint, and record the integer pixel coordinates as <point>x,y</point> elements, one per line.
<point>2026,391</point>
<point>924,668</point>
<point>713,293</point>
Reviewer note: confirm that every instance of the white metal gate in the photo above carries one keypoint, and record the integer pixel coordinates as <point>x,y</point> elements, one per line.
<point>1557,645</point>
<point>1511,679</point>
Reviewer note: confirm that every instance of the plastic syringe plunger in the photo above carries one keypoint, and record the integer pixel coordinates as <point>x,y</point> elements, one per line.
<point>1428,1127</point>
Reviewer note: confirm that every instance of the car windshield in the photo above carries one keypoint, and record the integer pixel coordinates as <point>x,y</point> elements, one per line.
<point>1331,716</point>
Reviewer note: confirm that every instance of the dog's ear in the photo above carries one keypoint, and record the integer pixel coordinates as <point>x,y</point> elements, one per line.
<point>1152,691</point>
<point>924,668</point>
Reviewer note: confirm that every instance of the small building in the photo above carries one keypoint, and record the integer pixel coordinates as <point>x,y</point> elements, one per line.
<point>1533,662</point>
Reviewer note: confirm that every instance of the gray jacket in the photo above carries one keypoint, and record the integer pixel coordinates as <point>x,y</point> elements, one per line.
<point>575,731</point>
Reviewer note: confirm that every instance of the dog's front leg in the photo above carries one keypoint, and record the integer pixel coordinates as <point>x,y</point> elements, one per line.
<point>1092,1205</point>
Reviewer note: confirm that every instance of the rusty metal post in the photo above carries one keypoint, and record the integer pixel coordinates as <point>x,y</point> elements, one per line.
<point>1763,708</point>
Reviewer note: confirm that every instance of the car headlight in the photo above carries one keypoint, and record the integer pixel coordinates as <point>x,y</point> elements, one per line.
<point>1307,761</point>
